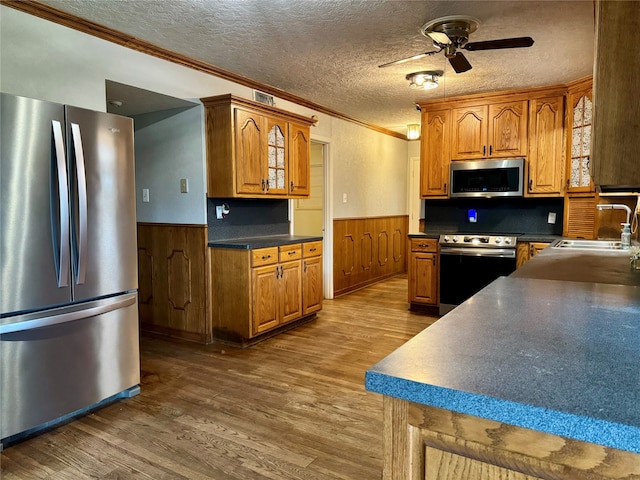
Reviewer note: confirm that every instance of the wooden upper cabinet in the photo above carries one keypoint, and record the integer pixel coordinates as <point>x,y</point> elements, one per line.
<point>434,153</point>
<point>507,135</point>
<point>469,136</point>
<point>255,150</point>
<point>276,173</point>
<point>545,162</point>
<point>299,160</point>
<point>489,131</point>
<point>249,151</point>
<point>579,122</point>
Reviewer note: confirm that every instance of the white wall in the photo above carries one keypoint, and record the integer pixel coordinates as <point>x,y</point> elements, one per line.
<point>169,147</point>
<point>44,60</point>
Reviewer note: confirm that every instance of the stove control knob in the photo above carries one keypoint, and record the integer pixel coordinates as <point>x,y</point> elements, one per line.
<point>499,240</point>
<point>507,241</point>
<point>455,238</point>
<point>446,238</point>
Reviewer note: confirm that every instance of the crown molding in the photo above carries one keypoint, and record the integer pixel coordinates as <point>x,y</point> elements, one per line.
<point>80,24</point>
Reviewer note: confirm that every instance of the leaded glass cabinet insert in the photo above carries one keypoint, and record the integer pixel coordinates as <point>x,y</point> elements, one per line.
<point>581,143</point>
<point>277,159</point>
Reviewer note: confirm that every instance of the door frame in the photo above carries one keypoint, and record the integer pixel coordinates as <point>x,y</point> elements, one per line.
<point>327,213</point>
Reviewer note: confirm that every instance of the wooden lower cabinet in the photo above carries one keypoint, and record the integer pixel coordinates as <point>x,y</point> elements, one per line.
<point>423,272</point>
<point>526,250</point>
<point>258,291</point>
<point>312,293</point>
<point>427,443</point>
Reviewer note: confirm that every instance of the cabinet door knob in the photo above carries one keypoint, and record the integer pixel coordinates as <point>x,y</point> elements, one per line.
<point>305,266</point>
<point>490,150</point>
<point>445,188</point>
<point>292,186</point>
<point>484,150</point>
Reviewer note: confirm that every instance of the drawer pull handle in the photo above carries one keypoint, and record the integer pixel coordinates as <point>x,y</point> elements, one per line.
<point>313,249</point>
<point>266,257</point>
<point>423,245</point>
<point>292,252</point>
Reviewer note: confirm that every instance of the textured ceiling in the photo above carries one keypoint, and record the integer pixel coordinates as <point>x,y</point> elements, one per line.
<point>328,51</point>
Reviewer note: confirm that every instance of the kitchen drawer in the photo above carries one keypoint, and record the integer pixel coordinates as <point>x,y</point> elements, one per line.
<point>424,245</point>
<point>290,252</point>
<point>264,256</point>
<point>311,249</point>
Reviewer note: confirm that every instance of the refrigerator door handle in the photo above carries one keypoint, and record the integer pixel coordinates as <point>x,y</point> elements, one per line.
<point>81,178</point>
<point>98,308</point>
<point>61,251</point>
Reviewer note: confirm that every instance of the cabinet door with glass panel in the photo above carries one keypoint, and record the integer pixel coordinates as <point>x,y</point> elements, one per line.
<point>579,128</point>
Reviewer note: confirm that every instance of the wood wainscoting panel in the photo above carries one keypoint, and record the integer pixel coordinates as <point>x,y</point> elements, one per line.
<point>172,277</point>
<point>367,250</point>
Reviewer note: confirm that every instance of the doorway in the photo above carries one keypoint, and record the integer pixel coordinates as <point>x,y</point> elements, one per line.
<point>308,213</point>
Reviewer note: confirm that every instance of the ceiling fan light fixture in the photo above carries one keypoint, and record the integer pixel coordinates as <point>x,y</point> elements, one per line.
<point>413,131</point>
<point>423,80</point>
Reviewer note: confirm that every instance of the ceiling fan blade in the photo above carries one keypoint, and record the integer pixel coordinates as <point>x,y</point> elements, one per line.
<point>459,63</point>
<point>408,59</point>
<point>503,43</point>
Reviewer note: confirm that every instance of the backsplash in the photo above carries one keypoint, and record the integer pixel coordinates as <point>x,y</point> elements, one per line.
<point>519,215</point>
<point>248,218</point>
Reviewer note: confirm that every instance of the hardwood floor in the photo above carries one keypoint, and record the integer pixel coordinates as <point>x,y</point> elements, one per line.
<point>291,407</point>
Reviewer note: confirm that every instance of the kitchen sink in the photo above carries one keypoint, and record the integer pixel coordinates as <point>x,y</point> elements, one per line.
<point>588,244</point>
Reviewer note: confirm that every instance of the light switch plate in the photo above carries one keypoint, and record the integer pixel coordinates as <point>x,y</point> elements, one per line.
<point>184,185</point>
<point>145,195</point>
<point>551,218</point>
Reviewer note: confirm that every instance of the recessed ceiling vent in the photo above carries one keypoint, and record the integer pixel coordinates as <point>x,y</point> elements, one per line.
<point>263,98</point>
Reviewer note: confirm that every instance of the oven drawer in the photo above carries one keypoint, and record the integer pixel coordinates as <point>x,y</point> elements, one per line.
<point>424,245</point>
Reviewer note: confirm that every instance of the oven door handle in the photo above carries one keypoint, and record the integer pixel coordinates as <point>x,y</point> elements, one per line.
<point>479,252</point>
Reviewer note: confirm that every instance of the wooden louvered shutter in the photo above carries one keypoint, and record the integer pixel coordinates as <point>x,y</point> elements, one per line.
<point>580,217</point>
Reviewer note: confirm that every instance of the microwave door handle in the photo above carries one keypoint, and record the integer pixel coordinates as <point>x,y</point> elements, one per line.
<point>81,178</point>
<point>62,254</point>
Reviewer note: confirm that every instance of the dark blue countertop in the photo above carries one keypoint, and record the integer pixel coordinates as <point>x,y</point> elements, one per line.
<point>560,357</point>
<point>523,237</point>
<point>250,243</point>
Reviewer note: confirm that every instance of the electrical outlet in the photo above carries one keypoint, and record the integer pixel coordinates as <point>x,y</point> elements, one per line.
<point>344,198</point>
<point>219,215</point>
<point>551,218</point>
<point>145,195</point>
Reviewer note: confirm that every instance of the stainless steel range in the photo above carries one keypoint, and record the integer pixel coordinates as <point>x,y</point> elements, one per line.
<point>470,261</point>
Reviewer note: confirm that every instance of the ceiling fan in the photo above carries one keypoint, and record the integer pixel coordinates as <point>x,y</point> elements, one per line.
<point>451,33</point>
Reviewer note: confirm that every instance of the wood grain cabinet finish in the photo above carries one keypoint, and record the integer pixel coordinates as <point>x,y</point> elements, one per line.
<point>545,161</point>
<point>423,271</point>
<point>520,123</point>
<point>260,290</point>
<point>489,131</point>
<point>367,250</point>
<point>525,251</point>
<point>616,96</point>
<point>434,153</point>
<point>578,133</point>
<point>173,280</point>
<point>312,293</point>
<point>426,443</point>
<point>255,150</point>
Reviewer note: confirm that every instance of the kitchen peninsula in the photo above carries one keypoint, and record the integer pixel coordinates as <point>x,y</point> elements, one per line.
<point>536,376</point>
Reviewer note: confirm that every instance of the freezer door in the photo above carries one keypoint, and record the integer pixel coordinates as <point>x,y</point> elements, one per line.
<point>103,220</point>
<point>34,235</point>
<point>70,359</point>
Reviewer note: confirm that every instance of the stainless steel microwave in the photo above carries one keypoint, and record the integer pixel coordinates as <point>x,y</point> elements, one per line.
<point>487,178</point>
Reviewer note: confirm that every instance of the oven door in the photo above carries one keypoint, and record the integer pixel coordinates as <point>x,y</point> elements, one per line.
<point>464,271</point>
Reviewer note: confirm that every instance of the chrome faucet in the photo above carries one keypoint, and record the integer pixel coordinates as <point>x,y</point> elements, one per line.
<point>625,238</point>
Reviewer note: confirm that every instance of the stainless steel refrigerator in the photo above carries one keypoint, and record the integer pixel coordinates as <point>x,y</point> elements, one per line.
<point>68,260</point>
